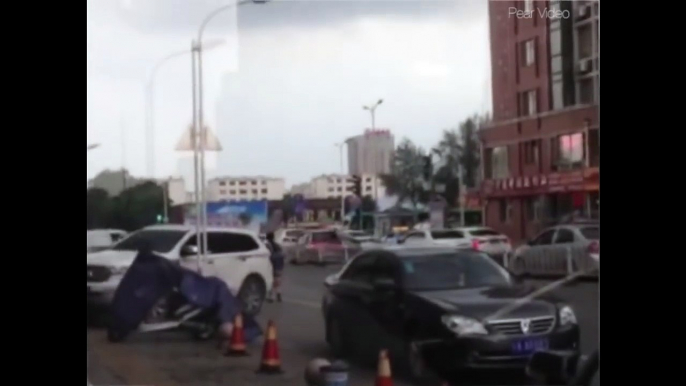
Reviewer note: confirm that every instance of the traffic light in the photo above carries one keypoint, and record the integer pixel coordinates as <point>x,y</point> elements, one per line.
<point>160,219</point>
<point>428,169</point>
<point>357,185</point>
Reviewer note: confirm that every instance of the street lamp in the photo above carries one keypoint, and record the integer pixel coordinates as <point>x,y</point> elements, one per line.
<point>345,185</point>
<point>199,132</point>
<point>150,106</point>
<point>372,110</point>
<point>92,146</point>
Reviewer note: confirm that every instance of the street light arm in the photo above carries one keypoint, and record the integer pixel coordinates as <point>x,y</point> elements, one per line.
<point>214,13</point>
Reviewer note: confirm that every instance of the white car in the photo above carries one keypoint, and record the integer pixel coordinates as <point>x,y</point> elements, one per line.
<point>236,256</point>
<point>436,237</point>
<point>99,239</point>
<point>289,237</point>
<point>488,241</point>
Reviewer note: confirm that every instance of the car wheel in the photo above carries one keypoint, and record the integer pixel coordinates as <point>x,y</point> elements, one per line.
<point>252,295</point>
<point>336,339</point>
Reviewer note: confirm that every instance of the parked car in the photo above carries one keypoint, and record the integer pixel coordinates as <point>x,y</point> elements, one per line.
<point>321,247</point>
<point>289,237</point>
<point>489,241</point>
<point>437,237</point>
<point>236,256</point>
<point>444,307</point>
<point>559,250</point>
<point>99,239</point>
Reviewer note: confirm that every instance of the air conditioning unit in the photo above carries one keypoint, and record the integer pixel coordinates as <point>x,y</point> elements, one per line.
<point>583,11</point>
<point>585,66</point>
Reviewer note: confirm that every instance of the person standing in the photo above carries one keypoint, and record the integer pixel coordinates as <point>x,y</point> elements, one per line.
<point>278,260</point>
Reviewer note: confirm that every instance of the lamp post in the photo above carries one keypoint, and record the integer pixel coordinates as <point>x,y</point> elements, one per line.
<point>150,99</point>
<point>345,186</point>
<point>199,131</point>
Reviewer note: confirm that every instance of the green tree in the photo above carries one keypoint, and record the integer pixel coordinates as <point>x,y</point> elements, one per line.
<point>368,204</point>
<point>137,206</point>
<point>98,208</point>
<point>406,178</point>
<point>470,156</point>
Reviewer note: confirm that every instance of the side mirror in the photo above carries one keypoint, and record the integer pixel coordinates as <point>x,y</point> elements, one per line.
<point>383,284</point>
<point>189,250</point>
<point>553,367</point>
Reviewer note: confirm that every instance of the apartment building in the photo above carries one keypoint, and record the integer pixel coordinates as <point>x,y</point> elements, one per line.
<point>371,152</point>
<point>541,153</point>
<point>246,188</point>
<point>336,185</point>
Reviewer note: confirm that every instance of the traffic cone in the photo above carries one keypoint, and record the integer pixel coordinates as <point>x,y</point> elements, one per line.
<point>383,375</point>
<point>237,347</point>
<point>271,361</point>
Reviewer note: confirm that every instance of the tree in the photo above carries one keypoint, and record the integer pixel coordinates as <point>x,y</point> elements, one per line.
<point>406,178</point>
<point>368,204</point>
<point>471,153</point>
<point>98,208</point>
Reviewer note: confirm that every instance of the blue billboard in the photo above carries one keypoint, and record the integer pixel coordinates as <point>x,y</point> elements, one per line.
<point>251,215</point>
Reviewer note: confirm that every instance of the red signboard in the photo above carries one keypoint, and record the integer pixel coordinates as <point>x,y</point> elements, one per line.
<point>573,181</point>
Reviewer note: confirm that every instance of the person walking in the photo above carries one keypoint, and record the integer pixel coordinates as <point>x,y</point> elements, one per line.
<point>278,262</point>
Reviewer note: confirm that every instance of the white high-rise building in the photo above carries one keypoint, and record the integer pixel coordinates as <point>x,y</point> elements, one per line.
<point>370,153</point>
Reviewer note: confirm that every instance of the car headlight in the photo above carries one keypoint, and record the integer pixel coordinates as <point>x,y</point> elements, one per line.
<point>461,325</point>
<point>567,316</point>
<point>118,270</point>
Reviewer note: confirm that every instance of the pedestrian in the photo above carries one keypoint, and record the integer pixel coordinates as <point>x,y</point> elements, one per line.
<point>278,262</point>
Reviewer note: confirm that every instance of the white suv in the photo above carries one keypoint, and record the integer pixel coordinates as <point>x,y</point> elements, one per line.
<point>236,256</point>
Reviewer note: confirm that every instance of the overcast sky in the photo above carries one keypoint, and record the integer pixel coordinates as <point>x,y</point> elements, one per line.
<point>288,81</point>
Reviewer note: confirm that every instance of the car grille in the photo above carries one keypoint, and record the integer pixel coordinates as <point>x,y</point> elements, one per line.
<point>97,274</point>
<point>539,325</point>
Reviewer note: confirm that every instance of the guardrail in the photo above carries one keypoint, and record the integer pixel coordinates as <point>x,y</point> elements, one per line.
<point>559,261</point>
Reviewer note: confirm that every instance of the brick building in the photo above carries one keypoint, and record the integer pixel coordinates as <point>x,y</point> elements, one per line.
<point>541,153</point>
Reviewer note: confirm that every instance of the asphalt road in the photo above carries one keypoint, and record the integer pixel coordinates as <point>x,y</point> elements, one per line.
<point>174,359</point>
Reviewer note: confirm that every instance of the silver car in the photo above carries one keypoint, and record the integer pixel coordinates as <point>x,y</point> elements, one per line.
<point>559,250</point>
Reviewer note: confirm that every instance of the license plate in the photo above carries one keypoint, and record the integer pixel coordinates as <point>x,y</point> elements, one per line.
<point>529,346</point>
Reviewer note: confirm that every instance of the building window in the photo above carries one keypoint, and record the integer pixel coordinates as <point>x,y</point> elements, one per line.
<point>368,180</point>
<point>264,182</point>
<point>222,183</point>
<point>330,189</point>
<point>254,191</point>
<point>567,151</point>
<point>232,192</point>
<point>222,192</point>
<point>242,183</point>
<point>499,162</point>
<point>586,91</point>
<point>339,189</point>
<point>504,210</point>
<point>528,5</point>
<point>532,151</point>
<point>253,182</point>
<point>264,191</point>
<point>529,103</point>
<point>368,189</point>
<point>242,191</point>
<point>232,183</point>
<point>555,42</point>
<point>529,52</point>
<point>338,181</point>
<point>585,42</point>
<point>558,95</point>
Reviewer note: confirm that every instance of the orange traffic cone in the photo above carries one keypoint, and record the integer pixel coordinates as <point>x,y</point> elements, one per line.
<point>271,361</point>
<point>383,375</point>
<point>237,347</point>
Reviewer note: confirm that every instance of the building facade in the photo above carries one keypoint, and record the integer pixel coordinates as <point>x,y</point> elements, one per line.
<point>246,188</point>
<point>371,152</point>
<point>541,153</point>
<point>327,186</point>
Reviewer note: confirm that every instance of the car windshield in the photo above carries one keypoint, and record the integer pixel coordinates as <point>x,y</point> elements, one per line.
<point>439,235</point>
<point>484,232</point>
<point>452,271</point>
<point>591,233</point>
<point>324,237</point>
<point>159,240</point>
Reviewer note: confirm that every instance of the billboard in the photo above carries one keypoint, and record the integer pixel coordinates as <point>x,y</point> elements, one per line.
<point>252,215</point>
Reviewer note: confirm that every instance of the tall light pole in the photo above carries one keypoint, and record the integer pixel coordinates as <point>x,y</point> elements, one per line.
<point>345,186</point>
<point>372,110</point>
<point>150,105</point>
<point>200,133</point>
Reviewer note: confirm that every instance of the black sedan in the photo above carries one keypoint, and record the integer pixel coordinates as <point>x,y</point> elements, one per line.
<point>443,309</point>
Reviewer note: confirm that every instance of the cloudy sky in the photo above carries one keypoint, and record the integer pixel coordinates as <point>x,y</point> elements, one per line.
<point>284,80</point>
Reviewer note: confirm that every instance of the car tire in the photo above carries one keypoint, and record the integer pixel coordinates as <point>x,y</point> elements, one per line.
<point>252,294</point>
<point>335,337</point>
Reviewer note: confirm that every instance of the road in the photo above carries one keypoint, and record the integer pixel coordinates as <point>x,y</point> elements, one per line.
<point>174,359</point>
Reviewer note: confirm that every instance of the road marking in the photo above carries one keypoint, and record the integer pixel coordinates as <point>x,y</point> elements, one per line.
<point>303,303</point>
